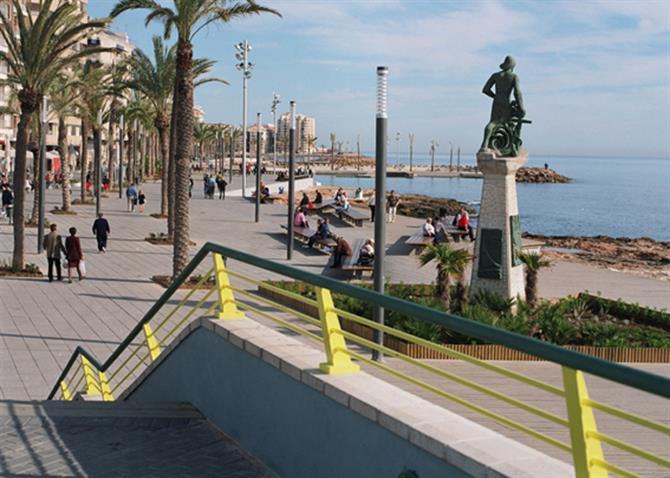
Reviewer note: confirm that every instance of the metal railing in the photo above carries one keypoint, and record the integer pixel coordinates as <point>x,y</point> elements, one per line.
<point>84,374</point>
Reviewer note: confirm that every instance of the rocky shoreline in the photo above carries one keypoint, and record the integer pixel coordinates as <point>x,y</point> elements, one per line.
<point>540,175</point>
<point>643,256</point>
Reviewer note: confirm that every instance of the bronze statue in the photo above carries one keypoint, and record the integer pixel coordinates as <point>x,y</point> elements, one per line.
<point>503,132</point>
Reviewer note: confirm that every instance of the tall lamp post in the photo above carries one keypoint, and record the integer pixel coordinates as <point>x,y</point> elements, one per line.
<point>98,147</point>
<point>258,167</point>
<point>276,99</point>
<point>433,148</point>
<point>397,149</point>
<point>451,155</point>
<point>121,148</point>
<point>134,169</point>
<point>243,49</point>
<point>42,171</point>
<point>380,193</point>
<point>411,151</point>
<point>291,182</point>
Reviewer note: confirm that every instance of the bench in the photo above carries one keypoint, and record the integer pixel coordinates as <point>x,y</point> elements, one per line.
<point>320,208</point>
<point>350,263</point>
<point>303,234</point>
<point>418,241</point>
<point>352,215</point>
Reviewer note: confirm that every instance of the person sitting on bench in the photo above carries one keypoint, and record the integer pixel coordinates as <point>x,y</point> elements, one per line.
<point>342,250</point>
<point>367,253</point>
<point>318,199</point>
<point>304,201</point>
<point>463,223</point>
<point>322,232</point>
<point>428,228</point>
<point>299,220</point>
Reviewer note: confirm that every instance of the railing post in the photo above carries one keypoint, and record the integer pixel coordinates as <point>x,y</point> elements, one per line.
<point>226,298</point>
<point>65,390</point>
<point>338,362</point>
<point>582,421</point>
<point>91,385</point>
<point>104,388</point>
<point>152,343</point>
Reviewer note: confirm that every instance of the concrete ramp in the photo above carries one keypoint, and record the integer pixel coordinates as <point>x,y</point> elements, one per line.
<point>115,439</point>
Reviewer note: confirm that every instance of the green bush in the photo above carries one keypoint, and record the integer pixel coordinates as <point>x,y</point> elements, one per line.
<point>569,321</point>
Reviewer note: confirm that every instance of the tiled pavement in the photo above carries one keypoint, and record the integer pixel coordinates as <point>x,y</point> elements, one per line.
<point>80,439</point>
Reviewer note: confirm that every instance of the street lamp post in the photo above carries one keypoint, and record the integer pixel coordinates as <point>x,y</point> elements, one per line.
<point>258,167</point>
<point>42,171</point>
<point>243,49</point>
<point>134,168</point>
<point>458,159</point>
<point>433,147</point>
<point>397,149</point>
<point>380,193</point>
<point>121,148</point>
<point>411,151</point>
<point>291,181</point>
<point>98,152</point>
<point>451,156</point>
<point>275,102</point>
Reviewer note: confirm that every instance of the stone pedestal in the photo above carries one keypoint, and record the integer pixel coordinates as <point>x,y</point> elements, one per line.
<point>495,267</point>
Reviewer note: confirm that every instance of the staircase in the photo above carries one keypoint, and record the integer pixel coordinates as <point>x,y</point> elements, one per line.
<point>113,439</point>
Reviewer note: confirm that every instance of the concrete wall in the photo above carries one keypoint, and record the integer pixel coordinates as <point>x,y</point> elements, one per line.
<point>291,427</point>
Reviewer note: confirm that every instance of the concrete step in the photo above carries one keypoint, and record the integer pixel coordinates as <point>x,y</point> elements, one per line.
<point>111,439</point>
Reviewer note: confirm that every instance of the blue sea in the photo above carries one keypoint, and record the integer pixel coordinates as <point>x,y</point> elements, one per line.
<point>618,197</point>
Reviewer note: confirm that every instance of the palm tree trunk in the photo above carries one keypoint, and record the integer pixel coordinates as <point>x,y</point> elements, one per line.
<point>162,125</point>
<point>18,254</point>
<point>171,164</point>
<point>64,163</point>
<point>110,148</point>
<point>84,157</point>
<point>444,287</point>
<point>129,153</point>
<point>531,286</point>
<point>184,151</point>
<point>97,159</point>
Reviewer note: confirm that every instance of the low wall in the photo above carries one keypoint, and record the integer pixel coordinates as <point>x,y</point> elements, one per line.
<point>263,389</point>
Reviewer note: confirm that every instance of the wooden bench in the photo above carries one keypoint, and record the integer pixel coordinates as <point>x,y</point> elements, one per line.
<point>320,208</point>
<point>303,234</point>
<point>418,241</point>
<point>455,234</point>
<point>350,263</point>
<point>352,215</point>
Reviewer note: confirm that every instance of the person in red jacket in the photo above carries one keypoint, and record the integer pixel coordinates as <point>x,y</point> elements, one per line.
<point>74,254</point>
<point>463,223</point>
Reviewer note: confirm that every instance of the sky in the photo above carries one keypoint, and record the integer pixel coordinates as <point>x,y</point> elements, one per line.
<point>595,75</point>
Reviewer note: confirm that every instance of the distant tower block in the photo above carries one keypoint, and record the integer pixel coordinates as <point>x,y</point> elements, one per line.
<point>496,267</point>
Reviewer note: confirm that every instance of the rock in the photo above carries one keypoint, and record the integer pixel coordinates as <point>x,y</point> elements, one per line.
<point>539,175</point>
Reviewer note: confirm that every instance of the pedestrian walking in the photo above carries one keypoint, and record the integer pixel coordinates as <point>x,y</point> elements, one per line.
<point>53,246</point>
<point>74,255</point>
<point>141,200</point>
<point>101,230</point>
<point>131,196</point>
<point>7,201</point>
<point>392,201</point>
<point>371,205</point>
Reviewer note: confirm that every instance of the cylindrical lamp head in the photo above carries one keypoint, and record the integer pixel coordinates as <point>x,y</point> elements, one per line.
<point>292,114</point>
<point>258,121</point>
<point>382,91</point>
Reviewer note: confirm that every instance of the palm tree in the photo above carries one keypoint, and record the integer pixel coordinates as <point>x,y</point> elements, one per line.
<point>533,262</point>
<point>202,135</point>
<point>63,96</point>
<point>188,18</point>
<point>155,79</point>
<point>233,134</point>
<point>450,262</point>
<point>45,46</point>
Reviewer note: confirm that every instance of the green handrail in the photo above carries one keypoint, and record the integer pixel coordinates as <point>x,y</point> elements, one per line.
<point>622,374</point>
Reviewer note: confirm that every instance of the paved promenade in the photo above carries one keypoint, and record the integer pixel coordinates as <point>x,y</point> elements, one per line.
<point>41,323</point>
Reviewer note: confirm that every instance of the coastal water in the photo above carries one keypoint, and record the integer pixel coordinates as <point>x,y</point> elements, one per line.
<point>619,197</point>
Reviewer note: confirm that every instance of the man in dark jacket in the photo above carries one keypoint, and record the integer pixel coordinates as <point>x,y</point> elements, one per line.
<point>53,245</point>
<point>101,230</point>
<point>342,250</point>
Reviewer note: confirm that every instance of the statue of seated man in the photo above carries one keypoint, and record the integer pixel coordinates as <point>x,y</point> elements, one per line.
<point>503,110</point>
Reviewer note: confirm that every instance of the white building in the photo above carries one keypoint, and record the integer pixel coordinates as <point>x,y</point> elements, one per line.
<point>305,130</point>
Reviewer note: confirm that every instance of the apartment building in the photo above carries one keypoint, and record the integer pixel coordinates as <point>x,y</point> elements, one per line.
<point>305,130</point>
